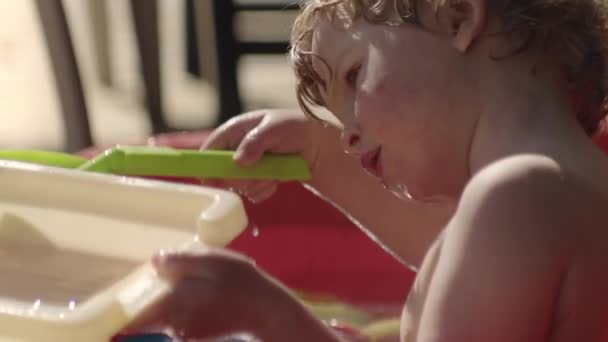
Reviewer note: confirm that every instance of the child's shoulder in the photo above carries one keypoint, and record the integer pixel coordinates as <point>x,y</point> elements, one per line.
<point>528,238</point>
<point>532,194</point>
<point>526,172</point>
<point>523,178</point>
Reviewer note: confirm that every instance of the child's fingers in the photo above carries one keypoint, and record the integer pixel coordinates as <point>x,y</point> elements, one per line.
<point>206,264</point>
<point>229,135</point>
<point>251,148</point>
<point>200,280</point>
<point>262,191</point>
<point>261,139</point>
<point>255,191</point>
<point>248,134</point>
<point>152,321</point>
<point>252,187</point>
<point>239,186</point>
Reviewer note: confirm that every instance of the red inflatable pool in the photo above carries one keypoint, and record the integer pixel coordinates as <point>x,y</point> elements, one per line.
<point>307,244</point>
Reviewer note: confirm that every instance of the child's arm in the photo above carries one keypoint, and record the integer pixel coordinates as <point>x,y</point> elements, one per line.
<point>406,228</point>
<point>502,259</point>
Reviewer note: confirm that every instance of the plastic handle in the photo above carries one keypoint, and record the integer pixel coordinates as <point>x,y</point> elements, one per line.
<point>154,161</point>
<point>47,158</point>
<point>157,161</point>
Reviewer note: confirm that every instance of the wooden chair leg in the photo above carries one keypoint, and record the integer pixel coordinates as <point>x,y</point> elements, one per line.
<point>205,40</point>
<point>145,15</point>
<point>98,13</point>
<point>218,53</point>
<point>192,58</point>
<point>227,60</point>
<point>67,77</point>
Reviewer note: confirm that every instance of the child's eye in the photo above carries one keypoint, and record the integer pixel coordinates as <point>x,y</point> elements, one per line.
<point>351,75</point>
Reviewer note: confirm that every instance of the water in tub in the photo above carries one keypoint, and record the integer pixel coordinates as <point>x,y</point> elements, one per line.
<point>34,270</point>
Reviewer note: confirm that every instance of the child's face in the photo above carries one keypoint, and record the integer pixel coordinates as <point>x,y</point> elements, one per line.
<point>397,92</point>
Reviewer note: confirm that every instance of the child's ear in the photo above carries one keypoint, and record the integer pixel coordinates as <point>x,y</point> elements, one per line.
<point>466,20</point>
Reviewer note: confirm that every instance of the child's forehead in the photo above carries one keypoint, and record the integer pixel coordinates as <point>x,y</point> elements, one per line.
<point>328,41</point>
<point>324,34</point>
<point>324,41</point>
<point>329,35</point>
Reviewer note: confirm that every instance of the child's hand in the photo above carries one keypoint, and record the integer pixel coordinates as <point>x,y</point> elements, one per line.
<point>216,293</point>
<point>255,133</point>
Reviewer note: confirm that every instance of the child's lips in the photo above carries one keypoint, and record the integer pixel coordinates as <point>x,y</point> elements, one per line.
<point>371,163</point>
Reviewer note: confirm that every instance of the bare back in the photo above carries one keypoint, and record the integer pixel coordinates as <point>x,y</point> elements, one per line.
<point>564,298</point>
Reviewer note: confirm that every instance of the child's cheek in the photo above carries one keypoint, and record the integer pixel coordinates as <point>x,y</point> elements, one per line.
<point>381,98</point>
<point>368,103</point>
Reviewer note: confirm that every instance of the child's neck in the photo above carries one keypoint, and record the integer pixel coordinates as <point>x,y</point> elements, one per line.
<point>522,113</point>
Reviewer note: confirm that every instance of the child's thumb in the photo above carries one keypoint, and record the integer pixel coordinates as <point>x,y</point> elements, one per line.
<point>252,147</point>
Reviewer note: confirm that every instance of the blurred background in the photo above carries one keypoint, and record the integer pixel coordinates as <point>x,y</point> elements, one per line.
<point>81,72</point>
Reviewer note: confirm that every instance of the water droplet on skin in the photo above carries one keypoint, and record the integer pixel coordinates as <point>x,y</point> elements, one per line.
<point>401,191</point>
<point>255,231</point>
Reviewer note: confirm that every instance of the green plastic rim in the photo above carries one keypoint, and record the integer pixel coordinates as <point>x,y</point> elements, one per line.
<point>167,162</point>
<point>158,161</point>
<point>47,158</point>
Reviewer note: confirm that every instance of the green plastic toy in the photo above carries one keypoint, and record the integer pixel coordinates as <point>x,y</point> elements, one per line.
<point>167,162</point>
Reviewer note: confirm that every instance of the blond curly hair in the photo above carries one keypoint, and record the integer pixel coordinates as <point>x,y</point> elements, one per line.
<point>576,28</point>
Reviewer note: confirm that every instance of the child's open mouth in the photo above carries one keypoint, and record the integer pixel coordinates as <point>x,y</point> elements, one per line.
<point>371,162</point>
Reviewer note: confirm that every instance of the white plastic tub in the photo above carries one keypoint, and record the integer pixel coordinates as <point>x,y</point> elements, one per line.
<point>75,247</point>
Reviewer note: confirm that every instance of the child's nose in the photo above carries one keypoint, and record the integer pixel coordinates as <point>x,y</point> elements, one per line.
<point>351,141</point>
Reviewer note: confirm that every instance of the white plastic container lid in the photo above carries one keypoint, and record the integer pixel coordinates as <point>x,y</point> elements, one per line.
<point>75,247</point>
